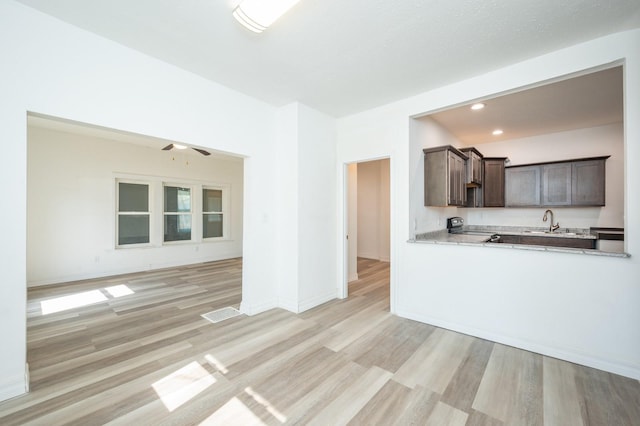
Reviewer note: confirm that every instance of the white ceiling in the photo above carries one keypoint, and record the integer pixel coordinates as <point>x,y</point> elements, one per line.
<point>590,100</point>
<point>83,129</point>
<point>342,57</point>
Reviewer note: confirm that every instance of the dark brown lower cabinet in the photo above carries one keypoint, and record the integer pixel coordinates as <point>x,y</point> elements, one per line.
<point>533,240</point>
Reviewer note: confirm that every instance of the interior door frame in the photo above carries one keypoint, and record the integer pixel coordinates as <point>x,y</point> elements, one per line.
<point>343,289</point>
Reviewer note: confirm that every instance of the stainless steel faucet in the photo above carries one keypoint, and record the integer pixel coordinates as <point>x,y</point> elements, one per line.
<point>552,227</point>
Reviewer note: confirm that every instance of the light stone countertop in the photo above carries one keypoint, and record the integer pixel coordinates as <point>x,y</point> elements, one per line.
<point>484,232</point>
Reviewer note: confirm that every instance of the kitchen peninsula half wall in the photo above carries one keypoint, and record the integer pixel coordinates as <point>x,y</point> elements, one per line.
<point>515,296</point>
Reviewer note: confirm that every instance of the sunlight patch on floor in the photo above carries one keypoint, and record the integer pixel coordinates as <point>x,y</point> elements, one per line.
<point>182,385</point>
<point>233,412</point>
<point>266,404</point>
<point>215,363</point>
<point>71,301</point>
<point>86,298</point>
<point>119,290</point>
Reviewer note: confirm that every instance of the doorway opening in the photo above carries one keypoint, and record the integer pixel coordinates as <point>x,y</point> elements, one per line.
<point>368,226</point>
<point>122,228</point>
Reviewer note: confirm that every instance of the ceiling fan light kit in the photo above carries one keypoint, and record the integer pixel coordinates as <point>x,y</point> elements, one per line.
<point>178,146</point>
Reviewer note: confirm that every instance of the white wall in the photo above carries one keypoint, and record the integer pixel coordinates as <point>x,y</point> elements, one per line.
<point>55,69</point>
<point>559,304</point>
<point>71,205</point>
<point>316,209</point>
<point>373,210</point>
<point>306,268</point>
<point>426,133</point>
<point>287,198</point>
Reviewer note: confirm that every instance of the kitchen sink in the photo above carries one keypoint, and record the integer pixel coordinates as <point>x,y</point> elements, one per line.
<point>550,233</point>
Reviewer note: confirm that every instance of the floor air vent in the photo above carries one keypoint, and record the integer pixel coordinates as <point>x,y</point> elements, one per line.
<point>221,314</point>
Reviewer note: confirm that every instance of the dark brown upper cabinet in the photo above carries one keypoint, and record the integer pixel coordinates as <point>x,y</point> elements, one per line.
<point>444,177</point>
<point>493,181</point>
<point>578,182</point>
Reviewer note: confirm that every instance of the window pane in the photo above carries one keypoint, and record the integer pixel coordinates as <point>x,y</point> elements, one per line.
<point>133,229</point>
<point>177,227</point>
<point>133,197</point>
<point>211,200</point>
<point>177,199</point>
<point>211,225</point>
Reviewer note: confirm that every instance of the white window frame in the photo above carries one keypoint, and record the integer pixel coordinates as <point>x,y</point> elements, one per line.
<point>226,217</point>
<point>118,213</point>
<point>189,213</point>
<point>156,213</point>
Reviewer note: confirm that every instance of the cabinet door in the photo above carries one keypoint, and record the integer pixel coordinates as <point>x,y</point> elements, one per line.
<point>493,186</point>
<point>457,189</point>
<point>461,181</point>
<point>522,186</point>
<point>588,183</point>
<point>556,184</point>
<point>476,168</point>
<point>436,179</point>
<point>452,174</point>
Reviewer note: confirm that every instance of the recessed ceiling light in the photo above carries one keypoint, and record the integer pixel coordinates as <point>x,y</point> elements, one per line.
<point>497,132</point>
<point>178,146</point>
<point>257,15</point>
<point>477,106</point>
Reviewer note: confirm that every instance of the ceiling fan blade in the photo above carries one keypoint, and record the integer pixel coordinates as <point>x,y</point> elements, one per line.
<point>168,147</point>
<point>202,151</point>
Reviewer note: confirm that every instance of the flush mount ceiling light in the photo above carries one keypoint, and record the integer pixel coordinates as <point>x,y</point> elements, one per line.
<point>477,106</point>
<point>497,132</point>
<point>257,15</point>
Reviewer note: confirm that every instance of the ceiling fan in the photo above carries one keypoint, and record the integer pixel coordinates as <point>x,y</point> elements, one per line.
<point>178,146</point>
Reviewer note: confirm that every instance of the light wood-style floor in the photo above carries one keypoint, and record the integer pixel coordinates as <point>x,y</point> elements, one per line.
<point>148,358</point>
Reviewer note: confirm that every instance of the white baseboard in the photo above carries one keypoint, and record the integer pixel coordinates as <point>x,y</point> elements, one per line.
<point>353,277</point>
<point>128,270</point>
<point>290,305</point>
<point>12,386</point>
<point>374,257</point>
<point>560,353</point>
<point>257,308</point>
<point>305,305</point>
